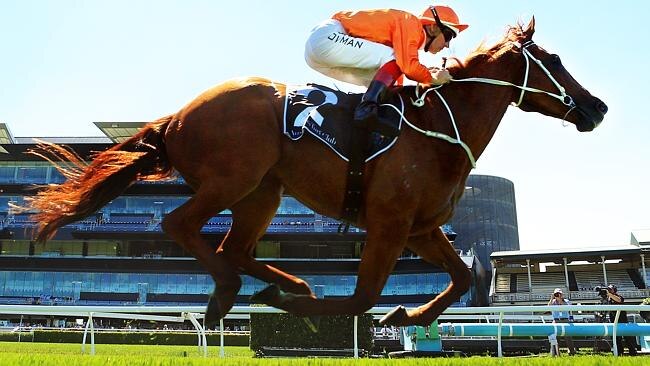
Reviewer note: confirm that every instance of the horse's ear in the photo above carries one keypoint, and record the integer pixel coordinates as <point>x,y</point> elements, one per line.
<point>530,29</point>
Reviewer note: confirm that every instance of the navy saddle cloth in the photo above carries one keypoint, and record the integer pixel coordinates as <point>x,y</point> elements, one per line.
<point>327,115</point>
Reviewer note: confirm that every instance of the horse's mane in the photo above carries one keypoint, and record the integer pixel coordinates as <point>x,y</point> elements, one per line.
<point>483,51</point>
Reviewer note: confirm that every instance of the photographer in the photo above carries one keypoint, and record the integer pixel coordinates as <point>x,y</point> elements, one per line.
<point>612,297</point>
<point>562,317</point>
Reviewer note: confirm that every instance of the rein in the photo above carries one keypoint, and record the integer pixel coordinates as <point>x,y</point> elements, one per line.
<point>565,98</point>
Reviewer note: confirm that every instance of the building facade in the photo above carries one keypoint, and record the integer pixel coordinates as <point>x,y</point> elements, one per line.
<point>486,217</point>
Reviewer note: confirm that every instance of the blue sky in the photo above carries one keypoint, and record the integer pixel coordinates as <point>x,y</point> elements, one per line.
<point>65,64</point>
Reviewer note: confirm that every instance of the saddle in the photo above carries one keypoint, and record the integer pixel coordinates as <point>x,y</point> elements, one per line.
<point>327,114</point>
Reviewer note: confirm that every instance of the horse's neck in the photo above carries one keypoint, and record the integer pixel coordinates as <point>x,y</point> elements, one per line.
<point>481,107</point>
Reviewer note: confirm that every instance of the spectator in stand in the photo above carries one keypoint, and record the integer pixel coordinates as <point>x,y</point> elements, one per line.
<point>562,317</point>
<point>613,298</point>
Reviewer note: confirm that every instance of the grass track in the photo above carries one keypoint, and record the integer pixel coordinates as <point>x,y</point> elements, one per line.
<point>32,354</point>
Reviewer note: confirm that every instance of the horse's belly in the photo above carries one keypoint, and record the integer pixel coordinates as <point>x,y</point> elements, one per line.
<point>435,212</point>
<point>313,175</point>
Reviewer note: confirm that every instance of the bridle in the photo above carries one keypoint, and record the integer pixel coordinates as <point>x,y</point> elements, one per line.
<point>565,98</point>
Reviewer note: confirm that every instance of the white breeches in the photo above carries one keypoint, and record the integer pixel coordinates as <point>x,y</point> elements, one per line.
<point>330,51</point>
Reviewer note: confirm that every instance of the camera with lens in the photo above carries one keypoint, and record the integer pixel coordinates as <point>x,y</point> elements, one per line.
<point>602,291</point>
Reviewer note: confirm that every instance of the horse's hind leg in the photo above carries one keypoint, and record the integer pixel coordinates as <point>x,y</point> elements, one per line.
<point>437,250</point>
<point>184,226</point>
<point>251,217</point>
<point>382,249</point>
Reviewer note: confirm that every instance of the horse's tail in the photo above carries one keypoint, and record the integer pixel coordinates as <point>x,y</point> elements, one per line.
<point>90,186</point>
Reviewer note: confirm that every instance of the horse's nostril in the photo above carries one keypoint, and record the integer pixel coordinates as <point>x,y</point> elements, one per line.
<point>602,107</point>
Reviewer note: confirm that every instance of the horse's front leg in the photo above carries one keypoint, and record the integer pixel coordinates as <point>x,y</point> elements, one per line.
<point>383,246</point>
<point>437,250</point>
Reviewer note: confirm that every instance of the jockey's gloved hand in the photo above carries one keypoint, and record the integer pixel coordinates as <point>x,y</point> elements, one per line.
<point>440,76</point>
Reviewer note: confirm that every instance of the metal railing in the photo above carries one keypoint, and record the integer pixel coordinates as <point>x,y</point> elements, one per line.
<point>194,313</point>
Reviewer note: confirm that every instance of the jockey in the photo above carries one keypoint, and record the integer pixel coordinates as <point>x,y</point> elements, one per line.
<point>374,48</point>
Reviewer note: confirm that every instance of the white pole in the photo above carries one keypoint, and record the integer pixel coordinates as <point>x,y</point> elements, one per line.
<point>356,339</point>
<point>200,332</point>
<point>614,345</point>
<point>530,281</point>
<point>92,334</point>
<point>645,275</point>
<point>222,353</point>
<point>566,275</point>
<point>205,340</point>
<point>499,346</point>
<point>493,281</point>
<point>20,327</point>
<point>83,340</point>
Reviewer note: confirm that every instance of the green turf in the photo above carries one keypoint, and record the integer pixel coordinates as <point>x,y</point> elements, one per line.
<point>28,353</point>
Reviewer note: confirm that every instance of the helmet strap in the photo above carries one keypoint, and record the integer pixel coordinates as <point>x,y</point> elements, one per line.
<point>430,37</point>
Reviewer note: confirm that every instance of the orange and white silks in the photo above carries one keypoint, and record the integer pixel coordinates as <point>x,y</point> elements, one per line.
<point>352,45</point>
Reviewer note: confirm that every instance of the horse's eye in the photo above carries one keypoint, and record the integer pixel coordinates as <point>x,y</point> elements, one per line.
<point>556,60</point>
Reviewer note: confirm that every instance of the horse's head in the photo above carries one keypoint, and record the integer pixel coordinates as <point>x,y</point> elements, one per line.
<point>565,97</point>
<point>544,84</point>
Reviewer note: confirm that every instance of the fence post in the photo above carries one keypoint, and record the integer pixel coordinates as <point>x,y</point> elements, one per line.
<point>20,328</point>
<point>200,332</point>
<point>83,339</point>
<point>499,347</point>
<point>356,338</point>
<point>614,345</point>
<point>222,353</point>
<point>92,334</point>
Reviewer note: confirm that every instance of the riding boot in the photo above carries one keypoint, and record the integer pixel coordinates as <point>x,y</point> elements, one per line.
<point>366,113</point>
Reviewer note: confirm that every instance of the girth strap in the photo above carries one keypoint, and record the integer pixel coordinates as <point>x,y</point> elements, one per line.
<point>353,198</point>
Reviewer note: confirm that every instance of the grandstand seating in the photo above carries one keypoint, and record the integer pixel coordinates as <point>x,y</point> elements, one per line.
<point>503,282</point>
<point>548,281</point>
<point>512,287</point>
<point>125,218</point>
<point>119,288</point>
<point>621,278</point>
<point>589,280</point>
<point>522,283</point>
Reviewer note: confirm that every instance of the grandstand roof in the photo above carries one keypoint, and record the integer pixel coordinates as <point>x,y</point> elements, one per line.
<point>553,255</point>
<point>114,132</point>
<point>5,137</point>
<point>63,140</point>
<point>640,237</point>
<point>119,131</point>
<point>15,148</point>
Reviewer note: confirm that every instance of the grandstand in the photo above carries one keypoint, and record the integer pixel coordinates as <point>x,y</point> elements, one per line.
<point>120,256</point>
<point>529,277</point>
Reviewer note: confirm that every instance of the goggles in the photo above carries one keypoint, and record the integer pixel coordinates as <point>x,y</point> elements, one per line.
<point>448,32</point>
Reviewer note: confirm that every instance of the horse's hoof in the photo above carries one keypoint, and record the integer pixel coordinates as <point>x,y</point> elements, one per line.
<point>267,295</point>
<point>397,317</point>
<point>313,323</point>
<point>212,313</point>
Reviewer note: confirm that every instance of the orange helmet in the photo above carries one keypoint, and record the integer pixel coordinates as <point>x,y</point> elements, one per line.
<point>446,15</point>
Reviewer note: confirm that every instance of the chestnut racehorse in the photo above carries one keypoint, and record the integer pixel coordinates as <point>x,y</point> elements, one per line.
<point>228,146</point>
